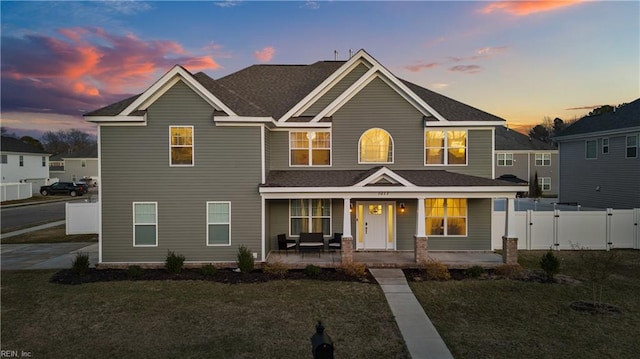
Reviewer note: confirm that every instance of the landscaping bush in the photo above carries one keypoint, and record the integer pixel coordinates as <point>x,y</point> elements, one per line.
<point>510,271</point>
<point>550,264</point>
<point>312,271</point>
<point>80,264</point>
<point>174,262</point>
<point>275,269</point>
<point>134,271</point>
<point>354,269</point>
<point>474,272</point>
<point>208,270</point>
<point>435,270</point>
<point>245,259</point>
<point>597,266</point>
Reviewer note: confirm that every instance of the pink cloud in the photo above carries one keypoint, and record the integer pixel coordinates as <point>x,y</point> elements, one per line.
<point>264,55</point>
<point>420,67</point>
<point>469,69</point>
<point>524,8</point>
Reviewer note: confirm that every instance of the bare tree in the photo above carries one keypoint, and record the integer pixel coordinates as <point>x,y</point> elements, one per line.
<point>69,141</point>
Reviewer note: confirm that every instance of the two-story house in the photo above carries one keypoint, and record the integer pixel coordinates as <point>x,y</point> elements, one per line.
<point>524,157</point>
<point>202,166</point>
<point>75,166</point>
<point>599,160</point>
<point>22,163</point>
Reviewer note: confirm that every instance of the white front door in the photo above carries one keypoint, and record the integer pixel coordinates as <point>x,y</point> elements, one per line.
<point>376,225</point>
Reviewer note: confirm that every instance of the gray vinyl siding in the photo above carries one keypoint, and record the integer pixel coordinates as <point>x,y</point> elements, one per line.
<point>336,90</point>
<point>135,168</point>
<point>519,169</point>
<point>378,105</point>
<point>524,167</point>
<point>478,230</point>
<point>617,176</point>
<point>74,167</point>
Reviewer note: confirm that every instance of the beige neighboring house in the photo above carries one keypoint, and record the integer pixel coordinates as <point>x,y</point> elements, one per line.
<point>522,156</point>
<point>70,167</point>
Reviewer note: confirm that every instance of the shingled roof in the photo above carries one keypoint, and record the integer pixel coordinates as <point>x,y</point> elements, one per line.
<point>10,144</point>
<point>507,139</point>
<point>627,116</point>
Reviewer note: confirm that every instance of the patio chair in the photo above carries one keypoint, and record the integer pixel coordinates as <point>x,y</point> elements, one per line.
<point>285,244</point>
<point>335,243</point>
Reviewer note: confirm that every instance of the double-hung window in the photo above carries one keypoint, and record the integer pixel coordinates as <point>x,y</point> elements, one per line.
<point>21,161</point>
<point>445,147</point>
<point>376,146</point>
<point>310,148</point>
<point>44,161</point>
<point>505,159</point>
<point>543,159</point>
<point>145,224</point>
<point>218,223</point>
<point>181,145</point>
<point>309,215</point>
<point>632,146</point>
<point>3,159</point>
<point>591,149</point>
<point>83,163</point>
<point>446,216</point>
<point>605,145</point>
<point>545,183</point>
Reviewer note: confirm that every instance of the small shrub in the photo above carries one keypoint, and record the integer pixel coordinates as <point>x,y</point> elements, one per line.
<point>208,270</point>
<point>312,271</point>
<point>474,272</point>
<point>174,262</point>
<point>245,259</point>
<point>134,271</point>
<point>510,271</point>
<point>275,269</point>
<point>597,266</point>
<point>354,269</point>
<point>435,270</point>
<point>80,264</point>
<point>550,264</point>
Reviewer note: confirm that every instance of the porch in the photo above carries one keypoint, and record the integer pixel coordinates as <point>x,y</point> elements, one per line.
<point>386,259</point>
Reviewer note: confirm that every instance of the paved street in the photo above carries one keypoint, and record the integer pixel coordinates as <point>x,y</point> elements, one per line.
<point>32,215</point>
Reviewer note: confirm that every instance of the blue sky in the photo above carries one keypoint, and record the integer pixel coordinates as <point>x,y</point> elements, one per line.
<point>521,60</point>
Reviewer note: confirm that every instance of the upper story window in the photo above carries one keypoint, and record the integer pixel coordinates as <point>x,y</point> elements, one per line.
<point>605,145</point>
<point>505,159</point>
<point>21,161</point>
<point>3,159</point>
<point>310,148</point>
<point>181,145</point>
<point>44,161</point>
<point>632,146</point>
<point>376,146</point>
<point>445,147</point>
<point>543,159</point>
<point>591,149</point>
<point>83,163</point>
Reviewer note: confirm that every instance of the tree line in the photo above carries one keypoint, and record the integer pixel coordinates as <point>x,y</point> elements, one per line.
<point>59,142</point>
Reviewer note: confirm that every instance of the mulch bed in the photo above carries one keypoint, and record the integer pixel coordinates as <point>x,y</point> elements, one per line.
<point>229,276</point>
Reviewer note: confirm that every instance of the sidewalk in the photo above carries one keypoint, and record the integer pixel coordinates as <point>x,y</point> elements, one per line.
<point>32,229</point>
<point>45,255</point>
<point>420,336</point>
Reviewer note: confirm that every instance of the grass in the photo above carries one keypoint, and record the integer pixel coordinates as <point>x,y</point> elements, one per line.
<point>193,319</point>
<point>50,235</point>
<point>514,319</point>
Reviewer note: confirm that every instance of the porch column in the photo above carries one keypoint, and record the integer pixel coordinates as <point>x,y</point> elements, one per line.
<point>347,238</point>
<point>420,238</point>
<point>509,239</point>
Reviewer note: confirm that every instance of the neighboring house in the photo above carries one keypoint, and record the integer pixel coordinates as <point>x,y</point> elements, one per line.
<point>523,157</point>
<point>75,166</point>
<point>599,159</point>
<point>202,166</point>
<point>22,162</point>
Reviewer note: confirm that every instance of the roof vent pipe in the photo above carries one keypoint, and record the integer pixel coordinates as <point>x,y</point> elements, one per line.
<point>335,55</point>
<point>350,53</point>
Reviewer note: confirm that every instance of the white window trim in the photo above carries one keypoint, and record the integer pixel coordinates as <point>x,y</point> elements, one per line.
<point>133,207</point>
<point>603,145</point>
<point>445,217</point>
<point>626,145</point>
<point>445,149</point>
<point>504,160</point>
<point>209,223</point>
<point>310,216</point>
<point>586,150</point>
<point>541,182</point>
<point>393,147</point>
<point>543,159</point>
<point>310,149</point>
<point>193,147</point>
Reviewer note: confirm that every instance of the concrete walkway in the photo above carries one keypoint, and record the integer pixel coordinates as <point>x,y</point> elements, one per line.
<point>420,336</point>
<point>33,229</point>
<point>45,255</point>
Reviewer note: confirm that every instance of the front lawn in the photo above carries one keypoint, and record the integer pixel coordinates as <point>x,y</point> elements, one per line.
<point>517,319</point>
<point>193,319</point>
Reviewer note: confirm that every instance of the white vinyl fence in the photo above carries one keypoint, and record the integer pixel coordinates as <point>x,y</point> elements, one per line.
<point>82,218</point>
<point>14,191</point>
<point>613,228</point>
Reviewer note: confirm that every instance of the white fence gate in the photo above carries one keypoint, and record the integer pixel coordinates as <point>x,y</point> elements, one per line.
<point>82,218</point>
<point>14,191</point>
<point>613,228</point>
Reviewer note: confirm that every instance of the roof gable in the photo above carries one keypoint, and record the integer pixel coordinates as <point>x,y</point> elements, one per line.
<point>385,177</point>
<point>10,144</point>
<point>507,139</point>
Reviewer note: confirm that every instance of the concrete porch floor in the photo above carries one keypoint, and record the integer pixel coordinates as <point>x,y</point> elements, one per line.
<point>386,259</point>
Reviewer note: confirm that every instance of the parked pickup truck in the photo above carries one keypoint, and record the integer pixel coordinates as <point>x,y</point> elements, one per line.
<point>68,188</point>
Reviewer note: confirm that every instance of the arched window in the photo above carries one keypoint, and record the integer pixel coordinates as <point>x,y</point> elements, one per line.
<point>376,146</point>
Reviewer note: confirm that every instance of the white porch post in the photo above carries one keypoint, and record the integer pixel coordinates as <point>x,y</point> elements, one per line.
<point>420,223</point>
<point>346,220</point>
<point>509,217</point>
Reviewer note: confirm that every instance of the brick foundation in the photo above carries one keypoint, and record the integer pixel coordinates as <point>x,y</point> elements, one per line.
<point>421,252</point>
<point>347,250</point>
<point>510,250</point>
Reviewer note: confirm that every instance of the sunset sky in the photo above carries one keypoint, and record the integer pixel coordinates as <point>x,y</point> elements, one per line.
<point>521,60</point>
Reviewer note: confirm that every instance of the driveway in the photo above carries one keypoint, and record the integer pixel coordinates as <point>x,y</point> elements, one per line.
<point>45,255</point>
